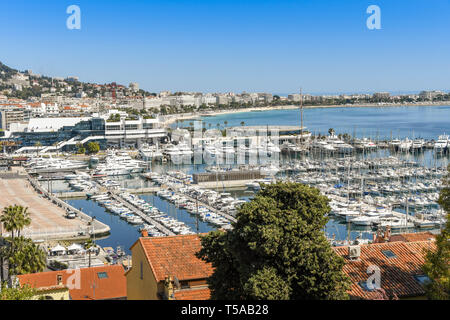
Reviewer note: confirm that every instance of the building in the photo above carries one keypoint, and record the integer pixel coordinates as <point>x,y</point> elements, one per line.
<point>166,268</point>
<point>381,95</point>
<point>63,134</point>
<point>134,86</point>
<point>430,95</point>
<point>399,262</point>
<point>95,283</point>
<point>9,116</point>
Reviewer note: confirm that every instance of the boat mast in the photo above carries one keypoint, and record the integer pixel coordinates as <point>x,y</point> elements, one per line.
<point>301,114</point>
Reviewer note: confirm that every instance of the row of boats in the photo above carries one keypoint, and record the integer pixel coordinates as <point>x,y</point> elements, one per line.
<point>118,208</point>
<point>221,203</point>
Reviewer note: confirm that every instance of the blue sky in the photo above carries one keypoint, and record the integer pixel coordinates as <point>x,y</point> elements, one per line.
<point>221,46</point>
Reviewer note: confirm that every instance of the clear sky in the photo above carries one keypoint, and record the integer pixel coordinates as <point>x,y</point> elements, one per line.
<point>221,46</point>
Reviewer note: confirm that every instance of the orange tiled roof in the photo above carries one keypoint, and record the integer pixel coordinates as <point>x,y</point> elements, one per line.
<point>193,294</point>
<point>397,273</point>
<point>175,256</point>
<point>410,237</point>
<point>112,287</point>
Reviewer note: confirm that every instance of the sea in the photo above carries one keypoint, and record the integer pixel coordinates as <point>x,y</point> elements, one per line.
<point>382,123</point>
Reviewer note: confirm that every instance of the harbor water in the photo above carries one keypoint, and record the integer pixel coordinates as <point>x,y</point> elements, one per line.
<point>371,122</point>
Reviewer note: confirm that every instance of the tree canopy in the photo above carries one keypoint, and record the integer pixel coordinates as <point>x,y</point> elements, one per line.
<point>277,249</point>
<point>436,265</point>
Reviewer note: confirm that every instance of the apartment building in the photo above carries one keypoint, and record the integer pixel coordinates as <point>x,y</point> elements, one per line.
<point>12,115</point>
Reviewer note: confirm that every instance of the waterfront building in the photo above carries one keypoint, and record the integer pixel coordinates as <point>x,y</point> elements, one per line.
<point>64,134</point>
<point>381,95</point>
<point>166,268</point>
<point>95,283</point>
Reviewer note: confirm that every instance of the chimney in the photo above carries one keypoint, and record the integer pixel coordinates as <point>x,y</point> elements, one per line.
<point>59,279</point>
<point>144,233</point>
<point>168,288</point>
<point>387,233</point>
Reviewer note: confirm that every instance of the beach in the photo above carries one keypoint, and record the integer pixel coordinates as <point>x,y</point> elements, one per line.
<point>186,116</point>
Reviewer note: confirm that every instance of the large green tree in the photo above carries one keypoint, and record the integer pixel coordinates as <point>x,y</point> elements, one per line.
<point>277,249</point>
<point>437,261</point>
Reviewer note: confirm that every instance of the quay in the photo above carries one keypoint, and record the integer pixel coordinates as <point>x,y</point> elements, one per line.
<point>141,214</point>
<point>82,194</point>
<point>48,213</point>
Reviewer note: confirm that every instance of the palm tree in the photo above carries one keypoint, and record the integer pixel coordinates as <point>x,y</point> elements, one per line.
<point>10,220</point>
<point>226,123</point>
<point>242,123</point>
<point>15,218</point>
<point>26,258</point>
<point>89,244</point>
<point>37,145</point>
<point>24,218</point>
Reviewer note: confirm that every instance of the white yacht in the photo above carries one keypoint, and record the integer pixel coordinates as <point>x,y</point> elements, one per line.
<point>418,144</point>
<point>338,144</point>
<point>405,145</point>
<point>172,152</point>
<point>442,143</point>
<point>148,153</point>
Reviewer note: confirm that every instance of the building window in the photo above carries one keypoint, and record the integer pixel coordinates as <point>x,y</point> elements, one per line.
<point>142,271</point>
<point>102,275</point>
<point>112,128</point>
<point>389,254</point>
<point>131,127</point>
<point>422,279</point>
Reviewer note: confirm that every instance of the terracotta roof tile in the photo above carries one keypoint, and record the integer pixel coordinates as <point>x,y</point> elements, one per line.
<point>193,294</point>
<point>112,287</point>
<point>175,256</point>
<point>397,273</point>
<point>410,237</point>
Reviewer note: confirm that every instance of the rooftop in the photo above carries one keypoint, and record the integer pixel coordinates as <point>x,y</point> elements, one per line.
<point>193,294</point>
<point>109,282</point>
<point>399,262</point>
<point>175,256</point>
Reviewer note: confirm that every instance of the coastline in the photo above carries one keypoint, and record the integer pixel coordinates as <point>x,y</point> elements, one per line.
<point>168,120</point>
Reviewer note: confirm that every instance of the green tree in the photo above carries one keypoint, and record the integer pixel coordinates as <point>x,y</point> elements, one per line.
<point>27,257</point>
<point>93,147</point>
<point>22,293</point>
<point>436,265</point>
<point>277,249</point>
<point>14,219</point>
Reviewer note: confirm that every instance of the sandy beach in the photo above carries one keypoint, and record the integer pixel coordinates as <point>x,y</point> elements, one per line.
<point>185,116</point>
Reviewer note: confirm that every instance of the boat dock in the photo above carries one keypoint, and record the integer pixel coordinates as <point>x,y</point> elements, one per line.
<point>141,214</point>
<point>82,194</point>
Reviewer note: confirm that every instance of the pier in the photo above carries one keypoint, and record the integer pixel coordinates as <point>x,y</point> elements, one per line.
<point>141,214</point>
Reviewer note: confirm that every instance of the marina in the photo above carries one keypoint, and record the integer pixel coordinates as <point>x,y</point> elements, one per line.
<point>371,183</point>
